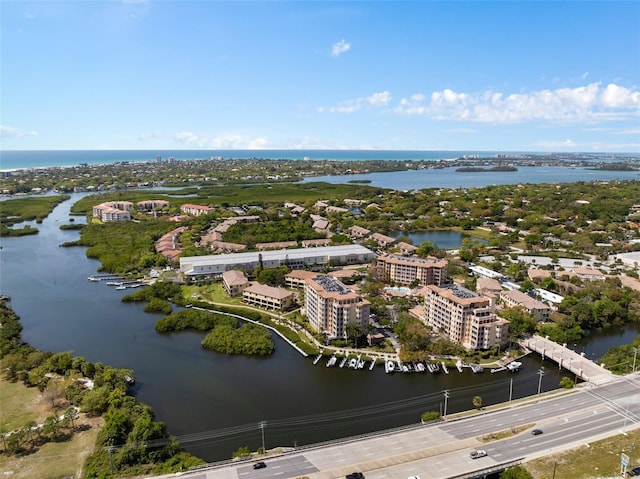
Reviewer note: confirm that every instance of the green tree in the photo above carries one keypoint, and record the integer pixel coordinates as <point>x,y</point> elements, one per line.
<point>516,472</point>
<point>477,402</point>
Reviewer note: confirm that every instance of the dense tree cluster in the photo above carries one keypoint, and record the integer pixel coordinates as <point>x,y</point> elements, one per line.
<point>227,334</point>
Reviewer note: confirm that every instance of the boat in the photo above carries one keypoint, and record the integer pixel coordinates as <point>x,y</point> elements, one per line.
<point>420,367</point>
<point>459,365</point>
<point>476,368</point>
<point>121,287</point>
<point>331,362</point>
<point>514,366</point>
<point>344,361</point>
<point>353,363</point>
<point>444,368</point>
<point>93,279</point>
<point>373,364</point>
<point>389,366</point>
<point>318,357</point>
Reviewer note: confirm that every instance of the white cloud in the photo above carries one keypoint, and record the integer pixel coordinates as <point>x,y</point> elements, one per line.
<point>587,146</point>
<point>11,132</point>
<point>377,100</point>
<point>585,75</point>
<point>340,47</point>
<point>231,142</point>
<point>585,103</point>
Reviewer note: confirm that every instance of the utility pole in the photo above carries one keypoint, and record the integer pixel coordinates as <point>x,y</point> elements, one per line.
<point>263,424</point>
<point>446,396</point>
<point>510,389</point>
<point>541,373</point>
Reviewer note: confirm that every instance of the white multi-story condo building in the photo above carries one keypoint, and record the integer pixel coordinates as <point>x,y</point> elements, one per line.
<point>313,258</point>
<point>330,306</point>
<point>464,316</point>
<point>405,270</point>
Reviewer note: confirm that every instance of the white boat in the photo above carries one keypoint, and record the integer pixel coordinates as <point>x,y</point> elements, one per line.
<point>121,287</point>
<point>514,366</point>
<point>444,368</point>
<point>389,366</point>
<point>476,368</point>
<point>420,367</point>
<point>344,361</point>
<point>332,361</point>
<point>353,363</point>
<point>373,364</point>
<point>315,361</point>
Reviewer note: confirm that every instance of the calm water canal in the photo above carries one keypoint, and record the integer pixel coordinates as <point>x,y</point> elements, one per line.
<point>214,403</point>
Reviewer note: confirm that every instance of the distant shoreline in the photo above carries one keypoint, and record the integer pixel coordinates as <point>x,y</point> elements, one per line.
<point>14,160</point>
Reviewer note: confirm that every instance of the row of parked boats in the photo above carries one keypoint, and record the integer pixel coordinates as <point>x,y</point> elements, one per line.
<point>351,363</point>
<point>115,280</point>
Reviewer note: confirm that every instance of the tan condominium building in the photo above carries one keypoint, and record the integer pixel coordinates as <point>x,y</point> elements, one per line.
<point>330,306</point>
<point>464,316</point>
<point>539,310</point>
<point>405,270</point>
<point>267,297</point>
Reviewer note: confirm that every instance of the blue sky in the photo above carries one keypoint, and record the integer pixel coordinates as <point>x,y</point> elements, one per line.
<point>135,74</point>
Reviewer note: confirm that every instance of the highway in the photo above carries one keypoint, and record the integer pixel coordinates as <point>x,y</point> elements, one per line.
<point>441,450</point>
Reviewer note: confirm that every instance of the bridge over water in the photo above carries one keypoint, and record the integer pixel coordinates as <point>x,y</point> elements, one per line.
<point>568,359</point>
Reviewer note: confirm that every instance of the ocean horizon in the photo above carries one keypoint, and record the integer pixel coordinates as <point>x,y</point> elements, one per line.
<point>21,159</point>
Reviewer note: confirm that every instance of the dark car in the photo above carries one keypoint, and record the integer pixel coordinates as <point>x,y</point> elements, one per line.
<point>536,432</point>
<point>355,475</point>
<point>635,471</point>
<point>259,465</point>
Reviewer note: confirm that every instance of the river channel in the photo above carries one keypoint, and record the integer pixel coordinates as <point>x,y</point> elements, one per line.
<point>216,403</point>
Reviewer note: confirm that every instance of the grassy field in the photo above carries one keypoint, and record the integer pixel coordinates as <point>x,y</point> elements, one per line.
<point>600,459</point>
<point>53,460</point>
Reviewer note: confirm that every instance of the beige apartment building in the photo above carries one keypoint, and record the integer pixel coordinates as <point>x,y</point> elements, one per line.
<point>330,306</point>
<point>267,297</point>
<point>464,316</point>
<point>404,270</point>
<point>234,282</point>
<point>537,309</point>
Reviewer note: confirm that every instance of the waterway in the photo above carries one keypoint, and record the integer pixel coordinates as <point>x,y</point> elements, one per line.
<point>215,403</point>
<point>449,178</point>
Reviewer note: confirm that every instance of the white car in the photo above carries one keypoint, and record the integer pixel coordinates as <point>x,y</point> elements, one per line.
<point>475,454</point>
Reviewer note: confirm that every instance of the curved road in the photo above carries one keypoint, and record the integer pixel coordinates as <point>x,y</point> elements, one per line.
<point>441,450</point>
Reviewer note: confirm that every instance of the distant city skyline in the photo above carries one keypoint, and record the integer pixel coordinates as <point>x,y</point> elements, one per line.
<point>417,75</point>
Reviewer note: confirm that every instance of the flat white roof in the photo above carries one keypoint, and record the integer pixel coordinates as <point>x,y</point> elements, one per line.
<point>277,255</point>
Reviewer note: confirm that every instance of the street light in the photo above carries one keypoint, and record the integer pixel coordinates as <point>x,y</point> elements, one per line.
<point>510,389</point>
<point>635,354</point>
<point>541,373</point>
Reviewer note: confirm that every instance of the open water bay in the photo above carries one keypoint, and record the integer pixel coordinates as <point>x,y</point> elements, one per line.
<point>215,403</point>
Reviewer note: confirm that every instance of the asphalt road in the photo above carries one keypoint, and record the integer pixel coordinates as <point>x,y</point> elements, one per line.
<point>441,451</point>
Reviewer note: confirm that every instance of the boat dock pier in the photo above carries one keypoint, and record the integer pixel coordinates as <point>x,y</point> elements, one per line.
<point>568,359</point>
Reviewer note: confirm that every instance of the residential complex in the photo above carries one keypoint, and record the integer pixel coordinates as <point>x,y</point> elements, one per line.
<point>267,297</point>
<point>464,316</point>
<point>214,265</point>
<point>537,309</point>
<point>330,306</point>
<point>405,270</point>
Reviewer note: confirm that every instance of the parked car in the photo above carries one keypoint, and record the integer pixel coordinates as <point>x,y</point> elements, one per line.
<point>635,471</point>
<point>259,465</point>
<point>536,432</point>
<point>355,475</point>
<point>477,453</point>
